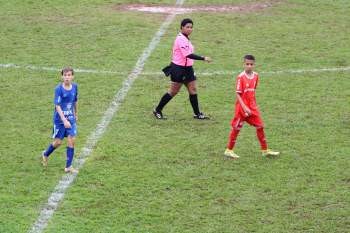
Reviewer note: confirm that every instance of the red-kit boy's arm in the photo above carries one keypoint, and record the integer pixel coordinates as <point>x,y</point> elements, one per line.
<point>244,106</point>
<point>239,91</point>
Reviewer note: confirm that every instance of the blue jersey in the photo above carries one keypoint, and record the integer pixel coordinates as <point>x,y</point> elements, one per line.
<point>66,99</point>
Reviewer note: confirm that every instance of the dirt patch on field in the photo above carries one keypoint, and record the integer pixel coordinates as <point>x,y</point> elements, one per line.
<point>166,9</point>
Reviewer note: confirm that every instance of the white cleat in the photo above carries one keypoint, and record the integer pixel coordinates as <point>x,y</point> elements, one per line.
<point>70,170</point>
<point>44,159</point>
<point>230,154</point>
<point>268,152</point>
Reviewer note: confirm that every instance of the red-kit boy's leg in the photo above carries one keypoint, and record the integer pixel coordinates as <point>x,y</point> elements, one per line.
<point>256,121</point>
<point>236,124</point>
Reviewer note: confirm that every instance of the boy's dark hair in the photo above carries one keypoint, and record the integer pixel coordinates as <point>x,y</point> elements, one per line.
<point>249,57</point>
<point>186,21</point>
<point>67,69</point>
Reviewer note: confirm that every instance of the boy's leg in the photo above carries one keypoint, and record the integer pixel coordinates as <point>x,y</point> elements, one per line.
<point>71,133</point>
<point>232,138</point>
<point>70,154</point>
<point>261,137</point>
<point>58,135</point>
<point>257,122</point>
<point>53,146</point>
<point>236,124</point>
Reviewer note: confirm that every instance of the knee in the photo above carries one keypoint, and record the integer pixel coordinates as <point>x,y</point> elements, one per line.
<point>236,126</point>
<point>192,90</point>
<point>259,128</point>
<point>56,143</point>
<point>71,144</point>
<point>173,92</point>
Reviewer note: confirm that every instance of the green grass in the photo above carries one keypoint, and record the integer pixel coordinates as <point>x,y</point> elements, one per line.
<point>169,176</point>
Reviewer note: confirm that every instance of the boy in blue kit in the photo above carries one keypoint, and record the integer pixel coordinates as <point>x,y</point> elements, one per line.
<point>64,118</point>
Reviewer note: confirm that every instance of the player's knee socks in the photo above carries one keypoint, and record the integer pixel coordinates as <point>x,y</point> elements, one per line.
<point>49,150</point>
<point>194,103</point>
<point>232,138</point>
<point>261,136</point>
<point>163,101</point>
<point>70,155</point>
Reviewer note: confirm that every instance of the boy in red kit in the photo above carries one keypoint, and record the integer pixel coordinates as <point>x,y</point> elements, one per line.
<point>247,109</point>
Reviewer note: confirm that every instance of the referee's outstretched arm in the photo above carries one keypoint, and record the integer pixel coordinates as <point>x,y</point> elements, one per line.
<point>198,57</point>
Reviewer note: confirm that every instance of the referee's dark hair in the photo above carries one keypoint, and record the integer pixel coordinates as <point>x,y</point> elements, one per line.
<point>186,21</point>
<point>249,57</point>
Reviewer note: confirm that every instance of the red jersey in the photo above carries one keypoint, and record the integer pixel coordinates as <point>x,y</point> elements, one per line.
<point>246,87</point>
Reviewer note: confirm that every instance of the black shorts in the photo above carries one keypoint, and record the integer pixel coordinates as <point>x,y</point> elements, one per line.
<point>182,74</point>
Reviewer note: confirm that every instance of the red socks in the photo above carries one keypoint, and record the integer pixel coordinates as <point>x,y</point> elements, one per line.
<point>232,138</point>
<point>259,133</point>
<point>261,136</point>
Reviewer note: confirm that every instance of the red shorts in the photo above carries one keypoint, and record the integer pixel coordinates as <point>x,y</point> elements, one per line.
<point>254,120</point>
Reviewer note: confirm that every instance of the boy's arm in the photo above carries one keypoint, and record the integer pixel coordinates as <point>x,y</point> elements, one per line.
<point>57,101</point>
<point>76,104</point>
<point>241,102</point>
<point>76,110</point>
<point>63,118</point>
<point>239,90</point>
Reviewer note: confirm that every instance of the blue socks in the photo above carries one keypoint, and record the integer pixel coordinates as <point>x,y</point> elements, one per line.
<point>49,150</point>
<point>70,155</point>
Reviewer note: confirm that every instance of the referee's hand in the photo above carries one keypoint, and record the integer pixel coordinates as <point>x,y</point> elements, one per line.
<point>207,59</point>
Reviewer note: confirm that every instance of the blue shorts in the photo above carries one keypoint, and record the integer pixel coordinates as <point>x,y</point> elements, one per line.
<point>59,131</point>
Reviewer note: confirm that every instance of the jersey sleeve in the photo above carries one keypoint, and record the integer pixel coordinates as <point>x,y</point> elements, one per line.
<point>257,81</point>
<point>184,47</point>
<point>58,96</point>
<point>239,85</point>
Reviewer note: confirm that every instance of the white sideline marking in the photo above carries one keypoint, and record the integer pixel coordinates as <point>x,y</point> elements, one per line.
<point>58,194</point>
<point>205,73</point>
<point>32,67</point>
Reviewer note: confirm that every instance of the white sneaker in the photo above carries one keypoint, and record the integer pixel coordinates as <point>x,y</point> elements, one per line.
<point>44,159</point>
<point>269,152</point>
<point>230,154</point>
<point>70,170</point>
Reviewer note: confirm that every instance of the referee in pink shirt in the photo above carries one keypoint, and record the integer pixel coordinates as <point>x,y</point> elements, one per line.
<point>181,71</point>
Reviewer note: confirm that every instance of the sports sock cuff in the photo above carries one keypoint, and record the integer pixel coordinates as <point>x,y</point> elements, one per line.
<point>49,150</point>
<point>70,155</point>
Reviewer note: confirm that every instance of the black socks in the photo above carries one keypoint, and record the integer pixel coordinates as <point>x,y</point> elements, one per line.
<point>163,101</point>
<point>194,103</point>
<point>167,97</point>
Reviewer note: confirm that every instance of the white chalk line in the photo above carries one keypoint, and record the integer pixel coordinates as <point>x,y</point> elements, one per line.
<point>155,73</point>
<point>65,182</point>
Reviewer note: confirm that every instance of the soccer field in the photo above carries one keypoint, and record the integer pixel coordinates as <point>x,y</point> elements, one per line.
<point>145,175</point>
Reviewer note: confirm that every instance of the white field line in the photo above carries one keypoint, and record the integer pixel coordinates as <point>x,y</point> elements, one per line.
<point>154,73</point>
<point>40,68</point>
<point>66,181</point>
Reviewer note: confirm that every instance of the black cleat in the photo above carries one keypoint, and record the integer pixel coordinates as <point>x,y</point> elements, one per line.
<point>201,116</point>
<point>158,115</point>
